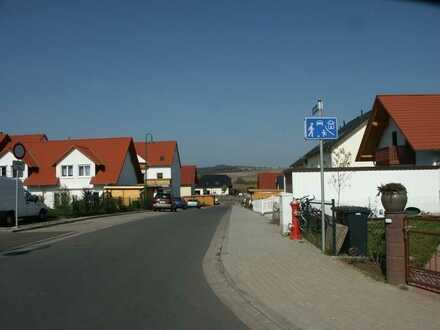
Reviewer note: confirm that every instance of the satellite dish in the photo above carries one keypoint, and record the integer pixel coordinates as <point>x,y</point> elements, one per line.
<point>19,151</point>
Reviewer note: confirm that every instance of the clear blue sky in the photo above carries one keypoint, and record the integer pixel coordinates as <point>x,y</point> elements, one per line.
<point>230,80</point>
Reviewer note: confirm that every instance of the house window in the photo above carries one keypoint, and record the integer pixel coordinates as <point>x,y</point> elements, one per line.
<point>84,170</point>
<point>162,158</point>
<point>160,175</point>
<point>394,137</point>
<point>67,170</point>
<point>3,170</point>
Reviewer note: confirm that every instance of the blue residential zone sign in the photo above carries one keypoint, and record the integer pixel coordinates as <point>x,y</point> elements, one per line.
<point>317,128</point>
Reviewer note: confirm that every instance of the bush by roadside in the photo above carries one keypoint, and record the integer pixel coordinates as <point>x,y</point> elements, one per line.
<point>67,206</point>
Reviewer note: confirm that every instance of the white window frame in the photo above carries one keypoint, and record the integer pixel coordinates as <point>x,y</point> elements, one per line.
<point>69,171</point>
<point>3,171</point>
<point>83,167</point>
<point>159,174</point>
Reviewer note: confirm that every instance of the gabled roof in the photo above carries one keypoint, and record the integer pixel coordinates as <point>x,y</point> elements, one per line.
<point>188,175</point>
<point>343,132</point>
<point>160,153</point>
<point>4,139</point>
<point>267,180</point>
<point>109,152</point>
<point>29,158</point>
<point>85,151</point>
<point>215,181</point>
<point>417,117</point>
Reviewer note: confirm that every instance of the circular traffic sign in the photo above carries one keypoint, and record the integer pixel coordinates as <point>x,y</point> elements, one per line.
<point>19,151</point>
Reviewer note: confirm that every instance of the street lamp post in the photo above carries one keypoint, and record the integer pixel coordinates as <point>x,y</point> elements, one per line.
<point>147,135</point>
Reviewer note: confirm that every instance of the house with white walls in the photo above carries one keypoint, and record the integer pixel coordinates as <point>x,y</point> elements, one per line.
<point>402,139</point>
<point>402,130</point>
<point>214,184</point>
<point>7,157</point>
<point>349,139</point>
<point>162,160</point>
<point>74,165</point>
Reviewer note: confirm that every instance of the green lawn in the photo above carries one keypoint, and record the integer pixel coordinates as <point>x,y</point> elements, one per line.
<point>422,246</point>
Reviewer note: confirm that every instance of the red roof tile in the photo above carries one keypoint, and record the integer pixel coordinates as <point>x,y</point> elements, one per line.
<point>110,152</point>
<point>39,137</point>
<point>417,116</point>
<point>85,151</point>
<point>267,180</point>
<point>160,153</point>
<point>188,175</point>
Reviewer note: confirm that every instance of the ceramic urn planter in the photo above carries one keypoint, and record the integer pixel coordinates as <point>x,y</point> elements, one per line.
<point>393,197</point>
<point>394,201</point>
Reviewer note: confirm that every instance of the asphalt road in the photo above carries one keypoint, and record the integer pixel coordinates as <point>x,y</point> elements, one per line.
<point>145,274</point>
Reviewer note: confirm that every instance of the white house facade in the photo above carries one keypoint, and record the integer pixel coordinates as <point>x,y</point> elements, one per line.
<point>73,166</point>
<point>163,165</point>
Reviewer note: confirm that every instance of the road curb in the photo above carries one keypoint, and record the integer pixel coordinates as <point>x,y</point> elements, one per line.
<point>247,308</point>
<point>67,220</point>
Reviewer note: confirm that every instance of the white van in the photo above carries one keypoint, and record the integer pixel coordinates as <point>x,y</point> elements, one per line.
<point>28,205</point>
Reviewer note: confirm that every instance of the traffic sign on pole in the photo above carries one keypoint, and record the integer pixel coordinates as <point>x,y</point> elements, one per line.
<point>320,128</point>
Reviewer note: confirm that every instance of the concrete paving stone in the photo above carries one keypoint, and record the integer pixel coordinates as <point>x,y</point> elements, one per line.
<point>314,291</point>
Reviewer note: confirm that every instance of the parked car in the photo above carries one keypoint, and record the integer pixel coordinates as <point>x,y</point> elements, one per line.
<point>193,203</point>
<point>164,201</point>
<point>180,203</point>
<point>28,205</point>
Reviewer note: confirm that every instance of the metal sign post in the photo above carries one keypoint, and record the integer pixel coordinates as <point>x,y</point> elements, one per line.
<point>18,167</point>
<point>321,166</point>
<point>321,128</point>
<point>19,152</point>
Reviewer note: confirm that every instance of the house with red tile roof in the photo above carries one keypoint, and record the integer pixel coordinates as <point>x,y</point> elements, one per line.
<point>402,130</point>
<point>162,160</point>
<point>188,180</point>
<point>73,164</point>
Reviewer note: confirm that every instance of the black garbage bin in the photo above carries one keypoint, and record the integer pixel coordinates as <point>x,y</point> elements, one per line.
<point>356,219</point>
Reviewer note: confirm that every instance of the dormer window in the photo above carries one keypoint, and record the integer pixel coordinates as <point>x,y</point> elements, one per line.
<point>67,170</point>
<point>84,170</point>
<point>162,158</point>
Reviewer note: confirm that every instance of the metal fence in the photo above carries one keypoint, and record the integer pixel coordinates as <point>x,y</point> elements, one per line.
<point>311,225</point>
<point>422,252</point>
<point>264,206</point>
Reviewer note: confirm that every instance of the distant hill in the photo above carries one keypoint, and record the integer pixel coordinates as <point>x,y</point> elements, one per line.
<point>243,177</point>
<point>224,169</point>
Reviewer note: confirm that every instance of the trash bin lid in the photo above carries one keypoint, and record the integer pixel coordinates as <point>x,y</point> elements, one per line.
<point>352,209</point>
<point>412,210</point>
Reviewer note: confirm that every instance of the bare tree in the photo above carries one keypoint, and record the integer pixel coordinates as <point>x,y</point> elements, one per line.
<point>340,179</point>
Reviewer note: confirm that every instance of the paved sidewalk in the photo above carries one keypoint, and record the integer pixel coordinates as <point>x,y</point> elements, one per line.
<point>293,282</point>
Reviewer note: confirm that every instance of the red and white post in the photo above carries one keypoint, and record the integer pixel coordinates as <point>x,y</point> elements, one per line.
<point>295,231</point>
